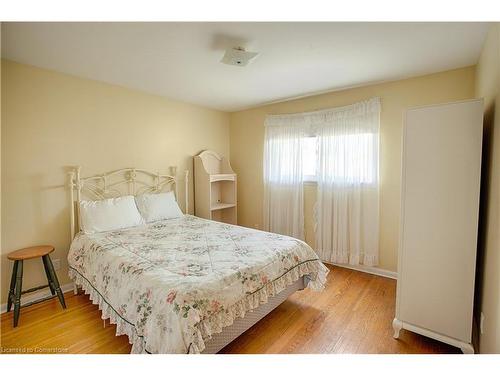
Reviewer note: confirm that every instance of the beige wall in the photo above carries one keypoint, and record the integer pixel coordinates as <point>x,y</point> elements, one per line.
<point>247,139</point>
<point>488,277</point>
<point>51,121</point>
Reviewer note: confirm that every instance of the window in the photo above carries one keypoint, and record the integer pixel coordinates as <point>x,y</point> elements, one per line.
<point>352,159</point>
<point>309,158</point>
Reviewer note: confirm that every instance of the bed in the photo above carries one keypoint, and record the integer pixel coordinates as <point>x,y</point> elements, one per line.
<point>182,285</point>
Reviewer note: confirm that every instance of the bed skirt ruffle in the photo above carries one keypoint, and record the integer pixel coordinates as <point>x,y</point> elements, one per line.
<point>123,327</point>
<point>314,270</point>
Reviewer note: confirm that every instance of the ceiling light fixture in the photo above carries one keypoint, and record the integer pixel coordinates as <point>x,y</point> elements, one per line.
<point>238,56</point>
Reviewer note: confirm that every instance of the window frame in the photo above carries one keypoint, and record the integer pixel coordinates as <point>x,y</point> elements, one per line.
<point>308,178</point>
<point>311,177</point>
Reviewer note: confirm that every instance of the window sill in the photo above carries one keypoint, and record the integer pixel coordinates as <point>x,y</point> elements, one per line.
<point>365,185</point>
<point>310,182</point>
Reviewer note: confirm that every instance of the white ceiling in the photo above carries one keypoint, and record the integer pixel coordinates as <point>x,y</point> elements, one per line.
<point>181,60</point>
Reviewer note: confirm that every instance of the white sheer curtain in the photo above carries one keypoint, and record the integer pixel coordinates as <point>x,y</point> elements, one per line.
<point>347,169</point>
<point>347,216</point>
<point>283,181</point>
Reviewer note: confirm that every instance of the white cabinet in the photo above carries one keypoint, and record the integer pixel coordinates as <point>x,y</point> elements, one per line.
<point>215,188</point>
<point>441,167</point>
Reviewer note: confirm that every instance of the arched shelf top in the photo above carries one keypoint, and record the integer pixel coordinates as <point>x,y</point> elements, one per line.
<point>209,153</point>
<point>215,164</point>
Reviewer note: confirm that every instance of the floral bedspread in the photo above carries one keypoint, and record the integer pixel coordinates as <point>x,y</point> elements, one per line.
<point>171,284</point>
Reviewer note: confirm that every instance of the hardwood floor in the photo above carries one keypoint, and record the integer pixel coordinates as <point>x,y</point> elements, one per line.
<point>353,315</point>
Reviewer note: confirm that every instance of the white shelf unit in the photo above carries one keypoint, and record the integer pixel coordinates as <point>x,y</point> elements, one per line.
<point>215,188</point>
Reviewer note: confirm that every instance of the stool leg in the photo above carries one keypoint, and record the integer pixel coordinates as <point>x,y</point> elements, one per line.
<point>55,282</point>
<point>47,273</point>
<point>12,286</point>
<point>19,286</point>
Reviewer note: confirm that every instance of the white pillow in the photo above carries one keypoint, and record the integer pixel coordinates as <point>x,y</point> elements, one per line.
<point>155,207</point>
<point>109,214</point>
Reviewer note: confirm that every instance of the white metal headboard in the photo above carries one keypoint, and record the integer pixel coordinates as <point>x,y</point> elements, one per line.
<point>132,181</point>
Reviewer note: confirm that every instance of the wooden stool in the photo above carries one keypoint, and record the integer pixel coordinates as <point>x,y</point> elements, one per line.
<point>16,281</point>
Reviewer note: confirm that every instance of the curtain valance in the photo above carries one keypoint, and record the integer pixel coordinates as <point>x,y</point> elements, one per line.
<point>331,115</point>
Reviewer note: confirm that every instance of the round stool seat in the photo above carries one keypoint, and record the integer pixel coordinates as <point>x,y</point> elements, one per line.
<point>31,252</point>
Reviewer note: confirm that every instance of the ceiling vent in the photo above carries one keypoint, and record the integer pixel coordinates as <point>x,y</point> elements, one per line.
<point>238,57</point>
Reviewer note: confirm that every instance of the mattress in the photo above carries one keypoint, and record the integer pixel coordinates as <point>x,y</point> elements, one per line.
<point>174,284</point>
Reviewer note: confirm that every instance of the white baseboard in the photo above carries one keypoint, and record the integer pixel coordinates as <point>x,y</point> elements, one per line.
<point>373,270</point>
<point>27,298</point>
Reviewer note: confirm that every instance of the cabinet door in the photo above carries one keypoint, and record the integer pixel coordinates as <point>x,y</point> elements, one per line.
<point>440,198</point>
